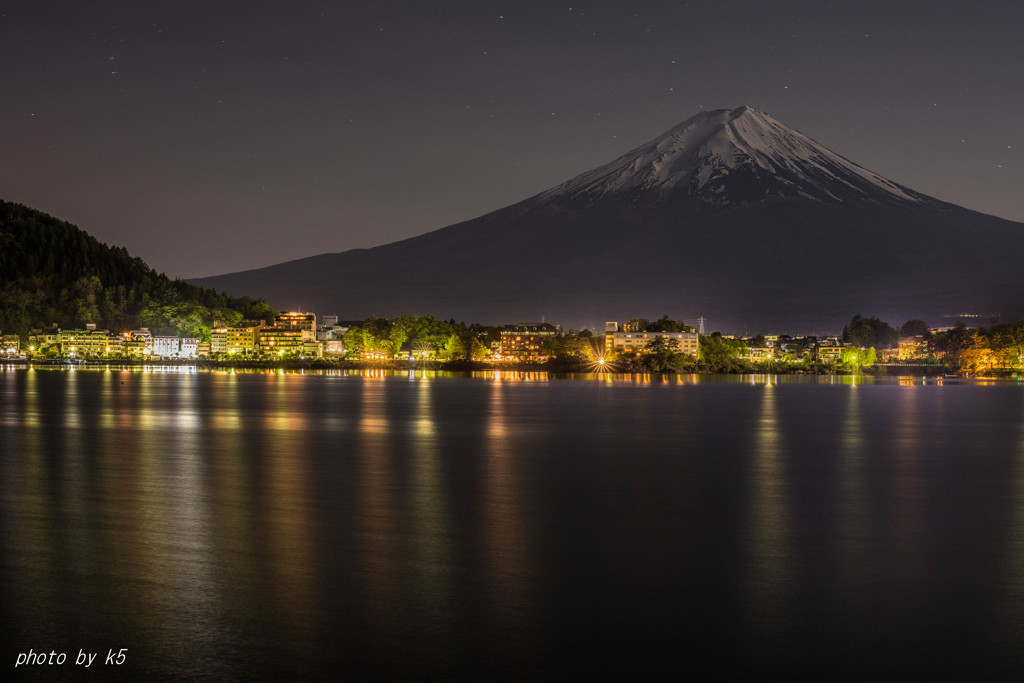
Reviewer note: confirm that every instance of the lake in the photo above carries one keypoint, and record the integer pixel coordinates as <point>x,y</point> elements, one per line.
<point>380,525</point>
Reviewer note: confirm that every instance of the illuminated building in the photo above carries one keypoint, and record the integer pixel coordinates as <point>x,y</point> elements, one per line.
<point>189,347</point>
<point>280,339</point>
<point>85,343</point>
<point>10,344</point>
<point>115,345</point>
<point>334,347</point>
<point>243,337</point>
<point>525,341</point>
<point>43,341</point>
<point>218,340</point>
<point>304,321</point>
<point>332,330</point>
<point>759,353</point>
<point>166,347</point>
<point>635,341</point>
<point>912,348</point>
<point>137,343</point>
<point>313,349</point>
<point>830,354</point>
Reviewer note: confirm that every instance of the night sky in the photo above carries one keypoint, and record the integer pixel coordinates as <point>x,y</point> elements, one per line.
<point>209,137</point>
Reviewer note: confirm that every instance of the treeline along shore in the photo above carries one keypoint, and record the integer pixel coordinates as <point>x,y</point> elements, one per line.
<point>66,297</point>
<point>994,351</point>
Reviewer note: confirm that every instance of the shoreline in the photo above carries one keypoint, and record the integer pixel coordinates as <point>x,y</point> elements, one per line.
<point>553,367</point>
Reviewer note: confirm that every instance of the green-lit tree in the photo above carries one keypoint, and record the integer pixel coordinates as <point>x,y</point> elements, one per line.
<point>855,359</point>
<point>718,354</point>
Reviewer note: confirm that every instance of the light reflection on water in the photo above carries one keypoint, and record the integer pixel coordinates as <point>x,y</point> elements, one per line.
<point>1013,567</point>
<point>770,525</point>
<point>422,524</point>
<point>510,555</point>
<point>853,517</point>
<point>905,493</point>
<point>288,543</point>
<point>378,516</point>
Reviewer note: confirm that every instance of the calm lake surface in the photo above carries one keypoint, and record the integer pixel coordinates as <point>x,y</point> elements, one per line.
<point>418,526</point>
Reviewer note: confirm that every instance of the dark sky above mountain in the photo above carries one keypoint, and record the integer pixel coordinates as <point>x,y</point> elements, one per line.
<point>210,137</point>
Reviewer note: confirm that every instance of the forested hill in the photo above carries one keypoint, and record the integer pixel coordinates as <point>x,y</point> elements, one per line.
<point>53,272</point>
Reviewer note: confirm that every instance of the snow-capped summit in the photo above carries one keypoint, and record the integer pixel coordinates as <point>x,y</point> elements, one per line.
<point>730,215</point>
<point>737,157</point>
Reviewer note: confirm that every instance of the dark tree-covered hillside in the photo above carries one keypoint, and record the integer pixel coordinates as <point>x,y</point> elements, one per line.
<point>53,272</point>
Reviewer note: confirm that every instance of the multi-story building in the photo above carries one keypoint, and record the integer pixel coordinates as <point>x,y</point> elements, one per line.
<point>43,341</point>
<point>138,343</point>
<point>85,343</point>
<point>218,340</point>
<point>334,347</point>
<point>525,341</point>
<point>136,346</point>
<point>243,337</point>
<point>189,347</point>
<point>331,329</point>
<point>304,321</point>
<point>830,353</point>
<point>630,340</point>
<point>313,349</point>
<point>166,347</point>
<point>115,345</point>
<point>280,340</point>
<point>912,348</point>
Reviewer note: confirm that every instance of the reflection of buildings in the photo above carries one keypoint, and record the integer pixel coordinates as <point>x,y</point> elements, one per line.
<point>622,339</point>
<point>525,341</point>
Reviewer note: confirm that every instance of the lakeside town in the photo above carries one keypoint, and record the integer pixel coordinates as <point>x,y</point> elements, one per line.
<point>637,345</point>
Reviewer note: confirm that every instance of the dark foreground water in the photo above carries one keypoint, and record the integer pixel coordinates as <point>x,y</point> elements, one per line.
<point>265,526</point>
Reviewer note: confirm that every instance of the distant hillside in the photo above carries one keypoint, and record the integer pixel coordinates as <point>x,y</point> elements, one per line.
<point>53,272</point>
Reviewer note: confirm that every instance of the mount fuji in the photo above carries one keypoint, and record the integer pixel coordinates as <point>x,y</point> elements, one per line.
<point>730,215</point>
